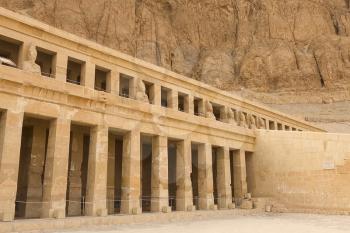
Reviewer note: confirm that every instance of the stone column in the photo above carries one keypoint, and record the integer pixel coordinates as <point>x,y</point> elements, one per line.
<point>75,172</point>
<point>56,169</point>
<point>174,101</point>
<point>184,197</point>
<point>111,174</point>
<point>96,192</point>
<point>88,75</point>
<point>205,177</point>
<point>130,203</point>
<point>240,175</point>
<point>224,178</point>
<point>157,95</point>
<point>113,82</point>
<point>60,70</point>
<point>10,143</point>
<point>190,104</point>
<point>35,171</point>
<point>160,195</point>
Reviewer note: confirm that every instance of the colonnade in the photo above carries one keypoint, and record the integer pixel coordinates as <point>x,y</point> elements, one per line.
<point>54,154</point>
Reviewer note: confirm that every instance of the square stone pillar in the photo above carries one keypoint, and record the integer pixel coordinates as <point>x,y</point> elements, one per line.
<point>60,70</point>
<point>205,177</point>
<point>160,195</point>
<point>224,178</point>
<point>35,171</point>
<point>111,174</point>
<point>174,101</point>
<point>184,196</point>
<point>75,172</point>
<point>88,75</point>
<point>157,95</point>
<point>113,82</point>
<point>10,143</point>
<point>190,104</point>
<point>131,183</point>
<point>56,169</point>
<point>240,175</point>
<point>96,187</point>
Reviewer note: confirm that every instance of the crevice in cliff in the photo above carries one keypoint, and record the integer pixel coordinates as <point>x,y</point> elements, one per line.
<point>296,59</point>
<point>319,71</point>
<point>335,23</point>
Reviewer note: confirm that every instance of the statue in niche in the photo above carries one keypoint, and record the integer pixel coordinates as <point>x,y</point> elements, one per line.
<point>29,63</point>
<point>231,117</point>
<point>242,120</point>
<point>141,91</point>
<point>251,121</point>
<point>209,112</point>
<point>261,123</point>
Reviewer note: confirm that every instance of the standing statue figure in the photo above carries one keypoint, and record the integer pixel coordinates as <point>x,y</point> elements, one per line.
<point>242,119</point>
<point>251,121</point>
<point>141,91</point>
<point>209,112</point>
<point>29,63</point>
<point>261,123</point>
<point>231,117</point>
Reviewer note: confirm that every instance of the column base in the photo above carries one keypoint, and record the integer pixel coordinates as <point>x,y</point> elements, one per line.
<point>136,211</point>
<point>191,208</point>
<point>231,206</point>
<point>6,217</point>
<point>247,204</point>
<point>166,209</point>
<point>54,213</point>
<point>213,207</point>
<point>102,212</point>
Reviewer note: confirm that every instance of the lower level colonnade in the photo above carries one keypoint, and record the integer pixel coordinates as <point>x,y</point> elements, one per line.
<point>56,168</point>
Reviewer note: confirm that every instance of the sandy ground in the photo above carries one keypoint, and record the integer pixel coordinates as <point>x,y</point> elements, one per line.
<point>285,223</point>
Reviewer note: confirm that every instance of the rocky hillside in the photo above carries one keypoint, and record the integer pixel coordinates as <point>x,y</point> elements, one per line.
<point>280,52</point>
<point>262,45</point>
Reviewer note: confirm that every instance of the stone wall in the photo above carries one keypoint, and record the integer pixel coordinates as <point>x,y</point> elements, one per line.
<point>302,171</point>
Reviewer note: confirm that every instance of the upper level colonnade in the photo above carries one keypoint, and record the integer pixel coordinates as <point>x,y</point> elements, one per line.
<point>48,56</point>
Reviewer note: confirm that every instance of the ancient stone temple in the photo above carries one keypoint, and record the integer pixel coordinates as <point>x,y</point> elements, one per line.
<point>88,131</point>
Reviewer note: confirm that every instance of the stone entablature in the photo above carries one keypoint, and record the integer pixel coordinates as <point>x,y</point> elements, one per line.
<point>63,46</point>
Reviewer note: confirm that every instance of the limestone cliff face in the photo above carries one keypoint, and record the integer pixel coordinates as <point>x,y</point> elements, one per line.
<point>263,45</point>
